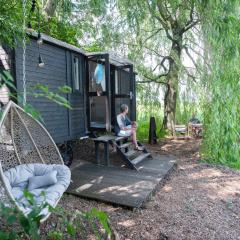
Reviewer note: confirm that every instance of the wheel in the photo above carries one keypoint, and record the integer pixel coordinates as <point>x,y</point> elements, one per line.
<point>66,151</point>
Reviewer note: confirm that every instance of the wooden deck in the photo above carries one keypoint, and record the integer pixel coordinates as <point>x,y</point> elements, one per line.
<point>120,186</point>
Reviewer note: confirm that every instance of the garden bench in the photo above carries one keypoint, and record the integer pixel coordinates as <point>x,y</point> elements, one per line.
<point>182,129</point>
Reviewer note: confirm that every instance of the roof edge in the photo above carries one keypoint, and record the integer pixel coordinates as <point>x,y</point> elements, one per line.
<point>57,42</point>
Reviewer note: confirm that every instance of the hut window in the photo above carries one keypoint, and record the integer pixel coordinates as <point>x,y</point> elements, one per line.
<point>76,73</point>
<point>116,82</point>
<point>97,79</point>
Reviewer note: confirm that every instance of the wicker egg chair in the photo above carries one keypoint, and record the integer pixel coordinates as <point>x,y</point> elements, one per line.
<point>23,140</point>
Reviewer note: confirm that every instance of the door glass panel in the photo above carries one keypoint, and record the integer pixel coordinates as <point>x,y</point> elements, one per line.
<point>98,111</point>
<point>97,79</point>
<point>122,82</point>
<point>119,102</point>
<point>116,82</point>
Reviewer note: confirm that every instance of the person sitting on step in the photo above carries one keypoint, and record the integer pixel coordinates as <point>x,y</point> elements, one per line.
<point>126,127</point>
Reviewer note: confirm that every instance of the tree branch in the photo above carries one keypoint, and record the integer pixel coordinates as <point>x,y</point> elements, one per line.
<point>152,35</point>
<point>191,14</point>
<point>50,8</point>
<point>163,10</point>
<point>186,28</point>
<point>191,23</point>
<point>162,20</point>
<point>154,79</point>
<point>163,60</point>
<point>191,76</point>
<point>196,52</point>
<point>190,56</point>
<point>190,40</point>
<point>135,45</point>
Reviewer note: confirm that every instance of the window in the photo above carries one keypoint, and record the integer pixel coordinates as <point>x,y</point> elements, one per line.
<point>116,82</point>
<point>97,79</point>
<point>76,73</point>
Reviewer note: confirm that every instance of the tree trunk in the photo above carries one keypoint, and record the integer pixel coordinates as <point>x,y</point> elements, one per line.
<point>170,99</point>
<point>50,8</point>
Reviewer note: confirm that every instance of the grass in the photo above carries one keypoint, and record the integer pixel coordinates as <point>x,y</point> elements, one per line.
<point>143,129</point>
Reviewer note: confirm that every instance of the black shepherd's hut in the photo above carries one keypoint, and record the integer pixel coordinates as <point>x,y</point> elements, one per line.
<point>100,83</point>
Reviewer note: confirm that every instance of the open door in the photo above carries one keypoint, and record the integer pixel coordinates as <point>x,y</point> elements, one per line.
<point>98,92</point>
<point>110,83</point>
<point>123,91</point>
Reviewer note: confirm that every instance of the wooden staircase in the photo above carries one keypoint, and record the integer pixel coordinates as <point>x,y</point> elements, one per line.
<point>131,157</point>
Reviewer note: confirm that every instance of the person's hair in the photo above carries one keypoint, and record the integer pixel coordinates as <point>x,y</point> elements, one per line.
<point>123,107</point>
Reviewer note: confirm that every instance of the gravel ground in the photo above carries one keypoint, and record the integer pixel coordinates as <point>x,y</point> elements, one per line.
<point>198,201</point>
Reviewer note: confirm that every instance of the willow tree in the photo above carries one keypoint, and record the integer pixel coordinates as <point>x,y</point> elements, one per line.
<point>175,18</point>
<point>157,32</point>
<point>221,28</point>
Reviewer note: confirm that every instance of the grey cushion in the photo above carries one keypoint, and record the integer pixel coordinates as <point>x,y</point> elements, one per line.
<point>42,181</point>
<point>19,176</point>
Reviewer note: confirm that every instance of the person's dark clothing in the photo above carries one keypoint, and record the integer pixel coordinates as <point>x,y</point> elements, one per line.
<point>194,120</point>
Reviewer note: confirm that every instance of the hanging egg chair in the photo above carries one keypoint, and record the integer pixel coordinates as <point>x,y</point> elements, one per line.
<point>29,156</point>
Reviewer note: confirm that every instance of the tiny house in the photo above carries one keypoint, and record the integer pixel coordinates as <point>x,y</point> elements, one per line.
<point>100,83</point>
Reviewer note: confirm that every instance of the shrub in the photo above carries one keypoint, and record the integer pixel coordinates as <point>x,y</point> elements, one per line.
<point>15,225</point>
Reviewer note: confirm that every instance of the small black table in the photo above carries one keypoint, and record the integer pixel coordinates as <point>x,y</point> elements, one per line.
<point>105,140</point>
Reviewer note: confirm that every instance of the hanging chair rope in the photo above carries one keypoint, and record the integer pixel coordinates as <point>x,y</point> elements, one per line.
<point>24,53</point>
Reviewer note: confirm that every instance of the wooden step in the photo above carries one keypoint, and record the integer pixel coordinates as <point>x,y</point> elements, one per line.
<point>125,145</point>
<point>130,153</point>
<point>120,138</point>
<point>140,158</point>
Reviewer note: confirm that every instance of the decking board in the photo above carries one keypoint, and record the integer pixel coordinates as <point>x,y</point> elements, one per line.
<point>117,185</point>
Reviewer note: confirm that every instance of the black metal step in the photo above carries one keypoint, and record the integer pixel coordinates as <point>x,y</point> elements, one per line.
<point>125,145</point>
<point>140,158</point>
<point>130,153</point>
<point>130,156</point>
<point>120,138</point>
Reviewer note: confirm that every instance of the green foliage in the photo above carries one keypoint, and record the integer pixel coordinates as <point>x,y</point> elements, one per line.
<point>10,21</point>
<point>143,128</point>
<point>94,47</point>
<point>185,110</point>
<point>148,101</point>
<point>221,27</point>
<point>62,30</point>
<point>78,224</point>
<point>15,225</point>
<point>37,91</point>
<point>7,79</point>
<point>28,108</point>
<point>148,105</point>
<point>41,90</point>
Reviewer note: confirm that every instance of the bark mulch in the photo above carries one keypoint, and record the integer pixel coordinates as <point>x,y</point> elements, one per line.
<point>198,201</point>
